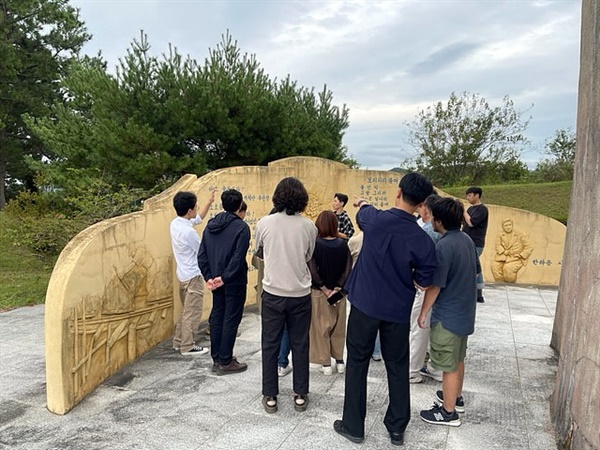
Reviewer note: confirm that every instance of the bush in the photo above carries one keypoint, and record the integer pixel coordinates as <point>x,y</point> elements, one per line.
<point>549,171</point>
<point>36,225</point>
<point>46,221</point>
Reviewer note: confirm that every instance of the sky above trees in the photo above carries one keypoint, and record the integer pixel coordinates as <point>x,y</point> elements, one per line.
<point>384,60</point>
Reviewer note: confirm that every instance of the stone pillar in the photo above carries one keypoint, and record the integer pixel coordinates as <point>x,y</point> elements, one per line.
<point>576,399</point>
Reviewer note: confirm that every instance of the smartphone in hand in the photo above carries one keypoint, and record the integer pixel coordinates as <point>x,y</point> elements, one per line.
<point>335,297</point>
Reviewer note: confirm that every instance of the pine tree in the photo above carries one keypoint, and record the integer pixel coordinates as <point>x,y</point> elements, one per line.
<point>38,39</point>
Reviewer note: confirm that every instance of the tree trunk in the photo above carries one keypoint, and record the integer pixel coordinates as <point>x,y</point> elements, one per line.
<point>2,183</point>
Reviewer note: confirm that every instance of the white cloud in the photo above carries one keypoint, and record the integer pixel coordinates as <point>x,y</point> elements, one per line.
<point>384,59</point>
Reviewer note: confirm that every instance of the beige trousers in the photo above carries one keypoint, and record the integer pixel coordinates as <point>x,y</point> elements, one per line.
<point>191,293</point>
<point>327,329</point>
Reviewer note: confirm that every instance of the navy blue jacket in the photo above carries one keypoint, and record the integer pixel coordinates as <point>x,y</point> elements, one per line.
<point>395,253</point>
<point>223,249</point>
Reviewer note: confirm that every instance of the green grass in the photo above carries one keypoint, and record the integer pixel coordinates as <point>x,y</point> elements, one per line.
<point>23,276</point>
<point>549,199</point>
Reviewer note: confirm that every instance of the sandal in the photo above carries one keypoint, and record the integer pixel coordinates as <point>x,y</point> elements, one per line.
<point>270,404</point>
<point>300,402</point>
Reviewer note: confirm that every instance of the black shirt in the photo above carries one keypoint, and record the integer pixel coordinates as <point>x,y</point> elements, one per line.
<point>479,220</point>
<point>330,264</point>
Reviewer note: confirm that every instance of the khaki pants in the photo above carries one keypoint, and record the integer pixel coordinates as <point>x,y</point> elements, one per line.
<point>327,329</point>
<point>191,293</point>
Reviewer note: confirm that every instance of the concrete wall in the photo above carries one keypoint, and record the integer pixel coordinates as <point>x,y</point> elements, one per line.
<point>113,292</point>
<point>110,299</point>
<point>576,400</point>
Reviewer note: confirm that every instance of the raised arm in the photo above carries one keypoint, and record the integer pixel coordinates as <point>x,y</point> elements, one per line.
<point>203,211</point>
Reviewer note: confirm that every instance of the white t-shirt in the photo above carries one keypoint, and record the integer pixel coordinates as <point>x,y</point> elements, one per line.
<point>186,243</point>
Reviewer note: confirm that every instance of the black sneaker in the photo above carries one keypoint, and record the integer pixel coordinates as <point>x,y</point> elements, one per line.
<point>195,351</point>
<point>339,428</point>
<point>460,401</point>
<point>437,416</point>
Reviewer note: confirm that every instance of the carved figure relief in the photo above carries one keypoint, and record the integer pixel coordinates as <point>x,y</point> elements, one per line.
<point>117,327</point>
<point>513,249</point>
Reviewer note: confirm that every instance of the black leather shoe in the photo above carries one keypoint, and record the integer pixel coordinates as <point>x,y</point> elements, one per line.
<point>397,438</point>
<point>338,426</point>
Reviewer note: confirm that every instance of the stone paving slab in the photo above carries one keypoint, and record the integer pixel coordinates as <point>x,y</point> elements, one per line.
<point>166,401</point>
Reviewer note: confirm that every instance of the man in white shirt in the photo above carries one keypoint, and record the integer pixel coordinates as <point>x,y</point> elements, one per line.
<point>186,243</point>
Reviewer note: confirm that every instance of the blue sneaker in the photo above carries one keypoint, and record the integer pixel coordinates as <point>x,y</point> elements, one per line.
<point>460,401</point>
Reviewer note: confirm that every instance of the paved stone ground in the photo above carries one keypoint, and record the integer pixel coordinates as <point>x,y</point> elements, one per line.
<point>166,401</point>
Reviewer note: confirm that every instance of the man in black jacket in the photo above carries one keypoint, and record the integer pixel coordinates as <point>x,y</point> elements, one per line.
<point>222,260</point>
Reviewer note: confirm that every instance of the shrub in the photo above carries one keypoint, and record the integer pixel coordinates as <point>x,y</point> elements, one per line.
<point>46,221</point>
<point>37,226</point>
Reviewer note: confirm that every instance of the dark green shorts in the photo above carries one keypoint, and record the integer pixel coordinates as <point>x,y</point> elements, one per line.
<point>447,349</point>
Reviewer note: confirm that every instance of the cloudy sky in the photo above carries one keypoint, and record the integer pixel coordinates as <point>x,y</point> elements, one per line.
<point>384,59</point>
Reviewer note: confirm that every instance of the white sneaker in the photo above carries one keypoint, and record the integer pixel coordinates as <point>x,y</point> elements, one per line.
<point>415,379</point>
<point>341,367</point>
<point>283,371</point>
<point>327,370</point>
<point>195,351</point>
<point>428,373</point>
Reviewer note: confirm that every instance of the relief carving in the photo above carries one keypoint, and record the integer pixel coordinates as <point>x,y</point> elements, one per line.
<point>111,330</point>
<point>315,206</point>
<point>513,249</point>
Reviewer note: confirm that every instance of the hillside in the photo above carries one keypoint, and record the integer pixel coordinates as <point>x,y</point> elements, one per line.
<point>549,199</point>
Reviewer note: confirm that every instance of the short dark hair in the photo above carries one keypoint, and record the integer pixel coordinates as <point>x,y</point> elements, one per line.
<point>290,196</point>
<point>183,202</point>
<point>243,206</point>
<point>327,224</point>
<point>415,188</point>
<point>429,201</point>
<point>474,190</point>
<point>341,197</point>
<point>231,199</point>
<point>449,211</point>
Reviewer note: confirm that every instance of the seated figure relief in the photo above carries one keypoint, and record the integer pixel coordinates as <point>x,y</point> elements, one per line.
<point>513,249</point>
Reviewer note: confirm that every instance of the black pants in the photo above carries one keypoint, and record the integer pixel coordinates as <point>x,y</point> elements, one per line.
<point>360,341</point>
<point>225,318</point>
<point>278,312</point>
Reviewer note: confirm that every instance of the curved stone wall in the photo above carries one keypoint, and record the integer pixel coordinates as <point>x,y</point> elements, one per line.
<point>111,294</point>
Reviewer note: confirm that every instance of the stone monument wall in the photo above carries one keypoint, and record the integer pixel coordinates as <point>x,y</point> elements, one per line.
<point>576,399</point>
<point>113,293</point>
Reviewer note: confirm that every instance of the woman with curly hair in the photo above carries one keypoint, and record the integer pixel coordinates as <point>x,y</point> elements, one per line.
<point>288,240</point>
<point>329,267</point>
